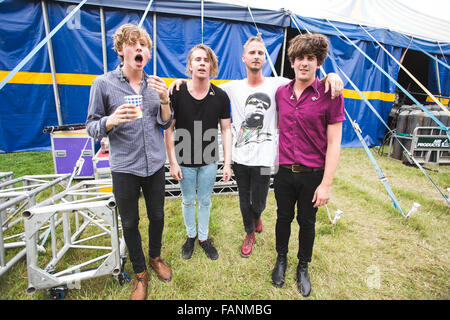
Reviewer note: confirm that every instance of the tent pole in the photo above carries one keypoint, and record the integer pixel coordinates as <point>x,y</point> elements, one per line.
<point>154,44</point>
<point>52,63</point>
<point>202,16</point>
<point>438,80</point>
<point>104,50</point>
<point>283,52</point>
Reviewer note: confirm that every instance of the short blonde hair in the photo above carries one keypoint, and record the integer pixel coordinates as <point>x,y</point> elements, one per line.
<point>214,64</point>
<point>256,38</point>
<point>129,34</point>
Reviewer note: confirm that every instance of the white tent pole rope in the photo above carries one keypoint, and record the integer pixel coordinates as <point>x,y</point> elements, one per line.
<point>265,48</point>
<point>408,73</point>
<point>145,13</point>
<point>40,45</point>
<point>406,50</point>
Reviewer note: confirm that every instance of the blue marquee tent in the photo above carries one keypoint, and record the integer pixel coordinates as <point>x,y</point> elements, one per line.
<point>40,95</point>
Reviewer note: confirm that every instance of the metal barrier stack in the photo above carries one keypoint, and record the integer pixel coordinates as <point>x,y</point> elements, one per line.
<point>419,135</point>
<point>16,195</point>
<point>82,217</point>
<point>430,145</point>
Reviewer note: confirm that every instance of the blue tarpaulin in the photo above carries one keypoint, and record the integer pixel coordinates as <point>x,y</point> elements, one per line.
<point>27,102</point>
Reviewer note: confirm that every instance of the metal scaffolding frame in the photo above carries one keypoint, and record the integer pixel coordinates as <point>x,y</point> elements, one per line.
<point>173,190</point>
<point>87,213</point>
<point>5,176</point>
<point>17,195</point>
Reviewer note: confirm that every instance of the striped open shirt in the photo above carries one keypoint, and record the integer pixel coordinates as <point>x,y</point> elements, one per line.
<point>136,147</point>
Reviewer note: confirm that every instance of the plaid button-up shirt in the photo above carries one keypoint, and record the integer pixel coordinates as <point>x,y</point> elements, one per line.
<point>136,147</point>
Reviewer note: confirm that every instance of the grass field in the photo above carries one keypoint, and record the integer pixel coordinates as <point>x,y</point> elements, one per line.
<point>372,252</point>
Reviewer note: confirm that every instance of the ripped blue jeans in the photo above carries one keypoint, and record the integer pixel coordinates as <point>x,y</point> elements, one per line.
<point>197,182</point>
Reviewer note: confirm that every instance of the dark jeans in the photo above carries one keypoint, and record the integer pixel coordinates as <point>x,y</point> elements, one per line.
<point>290,189</point>
<point>126,189</point>
<point>253,185</point>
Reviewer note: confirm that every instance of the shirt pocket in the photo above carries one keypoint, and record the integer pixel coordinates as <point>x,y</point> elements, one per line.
<point>313,118</point>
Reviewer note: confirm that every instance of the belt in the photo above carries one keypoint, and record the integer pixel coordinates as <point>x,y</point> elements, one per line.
<point>297,168</point>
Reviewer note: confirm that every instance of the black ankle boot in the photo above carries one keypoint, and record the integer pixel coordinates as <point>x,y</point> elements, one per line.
<point>279,271</point>
<point>303,282</point>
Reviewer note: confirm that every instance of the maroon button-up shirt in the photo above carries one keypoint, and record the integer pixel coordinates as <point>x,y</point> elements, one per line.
<point>303,123</point>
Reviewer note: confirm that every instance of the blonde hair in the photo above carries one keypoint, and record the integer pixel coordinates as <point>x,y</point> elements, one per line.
<point>256,38</point>
<point>129,34</point>
<point>214,65</point>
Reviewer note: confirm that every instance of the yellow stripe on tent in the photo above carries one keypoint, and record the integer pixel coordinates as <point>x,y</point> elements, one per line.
<point>46,78</point>
<point>443,101</point>
<point>28,77</point>
<point>75,79</point>
<point>86,80</point>
<point>378,95</point>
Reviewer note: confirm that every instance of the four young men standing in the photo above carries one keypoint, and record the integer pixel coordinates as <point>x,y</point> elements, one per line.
<point>309,142</point>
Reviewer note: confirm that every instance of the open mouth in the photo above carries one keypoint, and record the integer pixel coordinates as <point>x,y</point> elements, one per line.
<point>138,58</point>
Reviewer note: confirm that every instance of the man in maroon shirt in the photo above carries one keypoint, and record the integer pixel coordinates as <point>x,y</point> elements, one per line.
<point>310,131</point>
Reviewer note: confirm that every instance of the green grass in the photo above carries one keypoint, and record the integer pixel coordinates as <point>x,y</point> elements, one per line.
<point>372,252</point>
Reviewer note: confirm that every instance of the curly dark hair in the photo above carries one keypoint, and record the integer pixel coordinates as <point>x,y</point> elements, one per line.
<point>305,44</point>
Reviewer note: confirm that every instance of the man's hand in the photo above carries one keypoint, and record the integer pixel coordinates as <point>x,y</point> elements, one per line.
<point>321,195</point>
<point>123,114</point>
<point>226,172</point>
<point>159,85</point>
<point>333,81</point>
<point>176,83</point>
<point>175,171</point>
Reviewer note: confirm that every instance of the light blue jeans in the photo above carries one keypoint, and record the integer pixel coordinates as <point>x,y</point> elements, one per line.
<point>197,181</point>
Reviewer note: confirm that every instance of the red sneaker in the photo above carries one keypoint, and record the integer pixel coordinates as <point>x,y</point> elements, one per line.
<point>247,246</point>
<point>258,225</point>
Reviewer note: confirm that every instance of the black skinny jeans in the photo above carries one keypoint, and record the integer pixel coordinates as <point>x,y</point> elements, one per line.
<point>290,189</point>
<point>126,189</point>
<point>253,185</point>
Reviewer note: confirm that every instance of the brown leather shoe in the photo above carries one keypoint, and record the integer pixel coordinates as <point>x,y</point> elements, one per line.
<point>140,286</point>
<point>162,270</point>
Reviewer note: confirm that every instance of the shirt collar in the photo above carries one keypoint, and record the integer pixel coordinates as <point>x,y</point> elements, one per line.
<point>122,77</point>
<point>314,85</point>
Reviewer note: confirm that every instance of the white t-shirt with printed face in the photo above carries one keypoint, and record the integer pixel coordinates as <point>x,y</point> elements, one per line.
<point>254,120</point>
